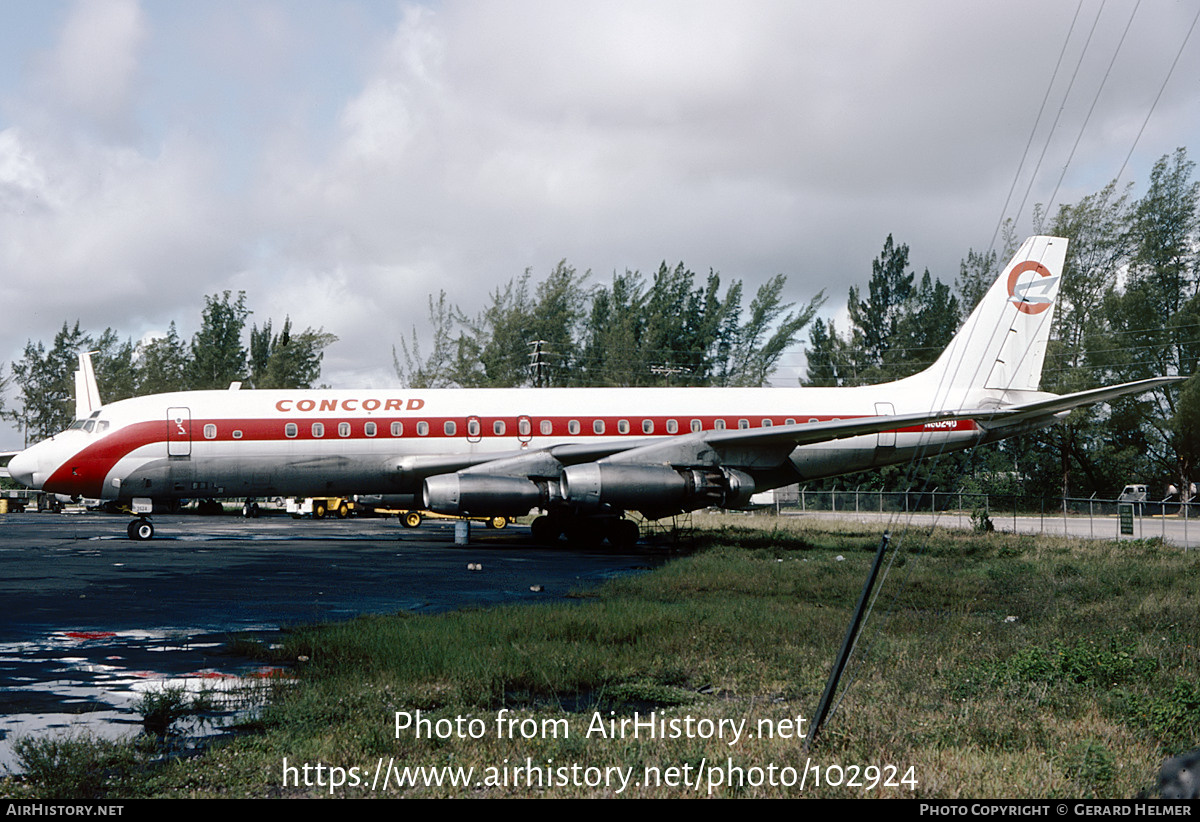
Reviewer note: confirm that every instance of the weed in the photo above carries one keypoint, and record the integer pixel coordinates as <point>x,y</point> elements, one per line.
<point>1090,767</point>
<point>79,767</point>
<point>981,522</point>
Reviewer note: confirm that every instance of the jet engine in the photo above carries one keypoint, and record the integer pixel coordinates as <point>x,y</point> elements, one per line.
<point>482,495</point>
<point>654,490</point>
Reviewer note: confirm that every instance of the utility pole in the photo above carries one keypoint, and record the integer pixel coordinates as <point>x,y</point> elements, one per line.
<point>537,364</point>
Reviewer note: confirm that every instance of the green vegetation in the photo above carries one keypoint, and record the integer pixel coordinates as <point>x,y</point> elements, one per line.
<point>993,665</point>
<point>215,358</point>
<point>669,331</point>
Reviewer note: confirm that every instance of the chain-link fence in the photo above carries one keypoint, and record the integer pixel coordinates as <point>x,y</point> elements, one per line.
<point>1170,520</point>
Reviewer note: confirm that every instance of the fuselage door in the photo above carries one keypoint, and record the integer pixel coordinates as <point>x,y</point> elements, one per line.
<point>885,439</point>
<point>179,432</point>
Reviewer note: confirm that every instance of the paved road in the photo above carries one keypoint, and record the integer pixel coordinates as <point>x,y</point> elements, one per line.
<point>91,619</point>
<point>1177,531</point>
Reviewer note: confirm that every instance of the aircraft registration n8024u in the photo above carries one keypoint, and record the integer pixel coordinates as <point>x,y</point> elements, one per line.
<point>582,456</point>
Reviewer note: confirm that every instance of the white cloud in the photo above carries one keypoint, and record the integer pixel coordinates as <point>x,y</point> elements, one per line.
<point>92,70</point>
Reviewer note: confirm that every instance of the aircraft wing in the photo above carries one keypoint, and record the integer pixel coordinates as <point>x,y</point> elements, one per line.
<point>766,447</point>
<point>757,447</point>
<point>753,447</point>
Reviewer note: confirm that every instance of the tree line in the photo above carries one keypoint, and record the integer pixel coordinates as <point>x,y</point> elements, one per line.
<point>1128,309</point>
<point>214,357</point>
<point>673,328</point>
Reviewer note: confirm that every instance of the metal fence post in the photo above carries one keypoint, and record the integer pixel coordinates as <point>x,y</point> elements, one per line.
<point>1092,516</point>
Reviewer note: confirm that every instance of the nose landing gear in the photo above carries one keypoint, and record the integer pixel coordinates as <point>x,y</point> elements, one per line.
<point>140,529</point>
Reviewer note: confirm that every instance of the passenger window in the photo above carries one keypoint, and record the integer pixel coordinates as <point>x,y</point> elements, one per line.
<point>672,426</point>
<point>498,428</point>
<point>210,432</point>
<point>318,429</point>
<point>397,429</point>
<point>573,427</point>
<point>369,429</point>
<point>524,427</point>
<point>622,426</point>
<point>449,428</point>
<point>472,428</point>
<point>343,429</point>
<point>647,426</point>
<point>696,426</point>
<point>546,427</point>
<point>237,434</point>
<point>719,425</point>
<point>422,428</point>
<point>743,424</point>
<point>290,430</point>
<point>598,426</point>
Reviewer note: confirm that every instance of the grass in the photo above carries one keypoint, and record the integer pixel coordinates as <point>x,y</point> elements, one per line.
<point>992,665</point>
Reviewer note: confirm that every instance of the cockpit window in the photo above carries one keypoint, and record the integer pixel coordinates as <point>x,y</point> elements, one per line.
<point>91,425</point>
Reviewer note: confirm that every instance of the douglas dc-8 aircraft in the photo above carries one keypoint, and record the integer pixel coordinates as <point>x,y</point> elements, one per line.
<point>584,456</point>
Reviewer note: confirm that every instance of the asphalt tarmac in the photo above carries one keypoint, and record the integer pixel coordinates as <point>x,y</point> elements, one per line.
<point>90,619</point>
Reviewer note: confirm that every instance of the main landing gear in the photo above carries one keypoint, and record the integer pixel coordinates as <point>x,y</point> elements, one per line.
<point>140,529</point>
<point>585,532</point>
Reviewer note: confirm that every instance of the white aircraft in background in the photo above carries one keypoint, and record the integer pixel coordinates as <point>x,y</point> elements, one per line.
<point>584,456</point>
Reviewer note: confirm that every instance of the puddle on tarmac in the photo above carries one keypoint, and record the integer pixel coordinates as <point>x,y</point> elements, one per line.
<point>91,682</point>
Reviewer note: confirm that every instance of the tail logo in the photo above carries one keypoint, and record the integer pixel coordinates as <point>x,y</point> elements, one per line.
<point>1031,295</point>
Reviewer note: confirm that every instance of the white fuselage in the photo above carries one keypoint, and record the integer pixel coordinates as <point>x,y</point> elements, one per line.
<point>307,443</point>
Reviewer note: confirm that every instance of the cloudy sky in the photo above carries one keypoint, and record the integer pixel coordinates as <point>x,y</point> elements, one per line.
<point>341,160</point>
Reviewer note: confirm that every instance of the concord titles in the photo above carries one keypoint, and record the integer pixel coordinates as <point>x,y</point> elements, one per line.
<point>350,404</point>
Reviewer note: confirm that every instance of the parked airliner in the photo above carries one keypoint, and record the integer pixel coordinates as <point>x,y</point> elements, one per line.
<point>583,456</point>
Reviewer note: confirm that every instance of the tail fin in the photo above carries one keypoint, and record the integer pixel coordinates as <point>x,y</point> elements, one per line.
<point>1003,343</point>
<point>87,394</point>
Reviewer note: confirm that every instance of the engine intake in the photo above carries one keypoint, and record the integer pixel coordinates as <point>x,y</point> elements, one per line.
<point>481,495</point>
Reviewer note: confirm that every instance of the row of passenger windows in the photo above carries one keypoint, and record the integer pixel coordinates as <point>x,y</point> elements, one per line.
<point>500,427</point>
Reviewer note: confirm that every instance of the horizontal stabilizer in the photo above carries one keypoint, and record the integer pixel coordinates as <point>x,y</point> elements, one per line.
<point>1067,402</point>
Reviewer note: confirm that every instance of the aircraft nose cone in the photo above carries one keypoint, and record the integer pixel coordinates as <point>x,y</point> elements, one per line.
<point>22,467</point>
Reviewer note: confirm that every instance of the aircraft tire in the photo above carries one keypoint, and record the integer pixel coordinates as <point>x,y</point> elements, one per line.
<point>140,530</point>
<point>545,530</point>
<point>623,534</point>
<point>583,533</point>
<point>411,520</point>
